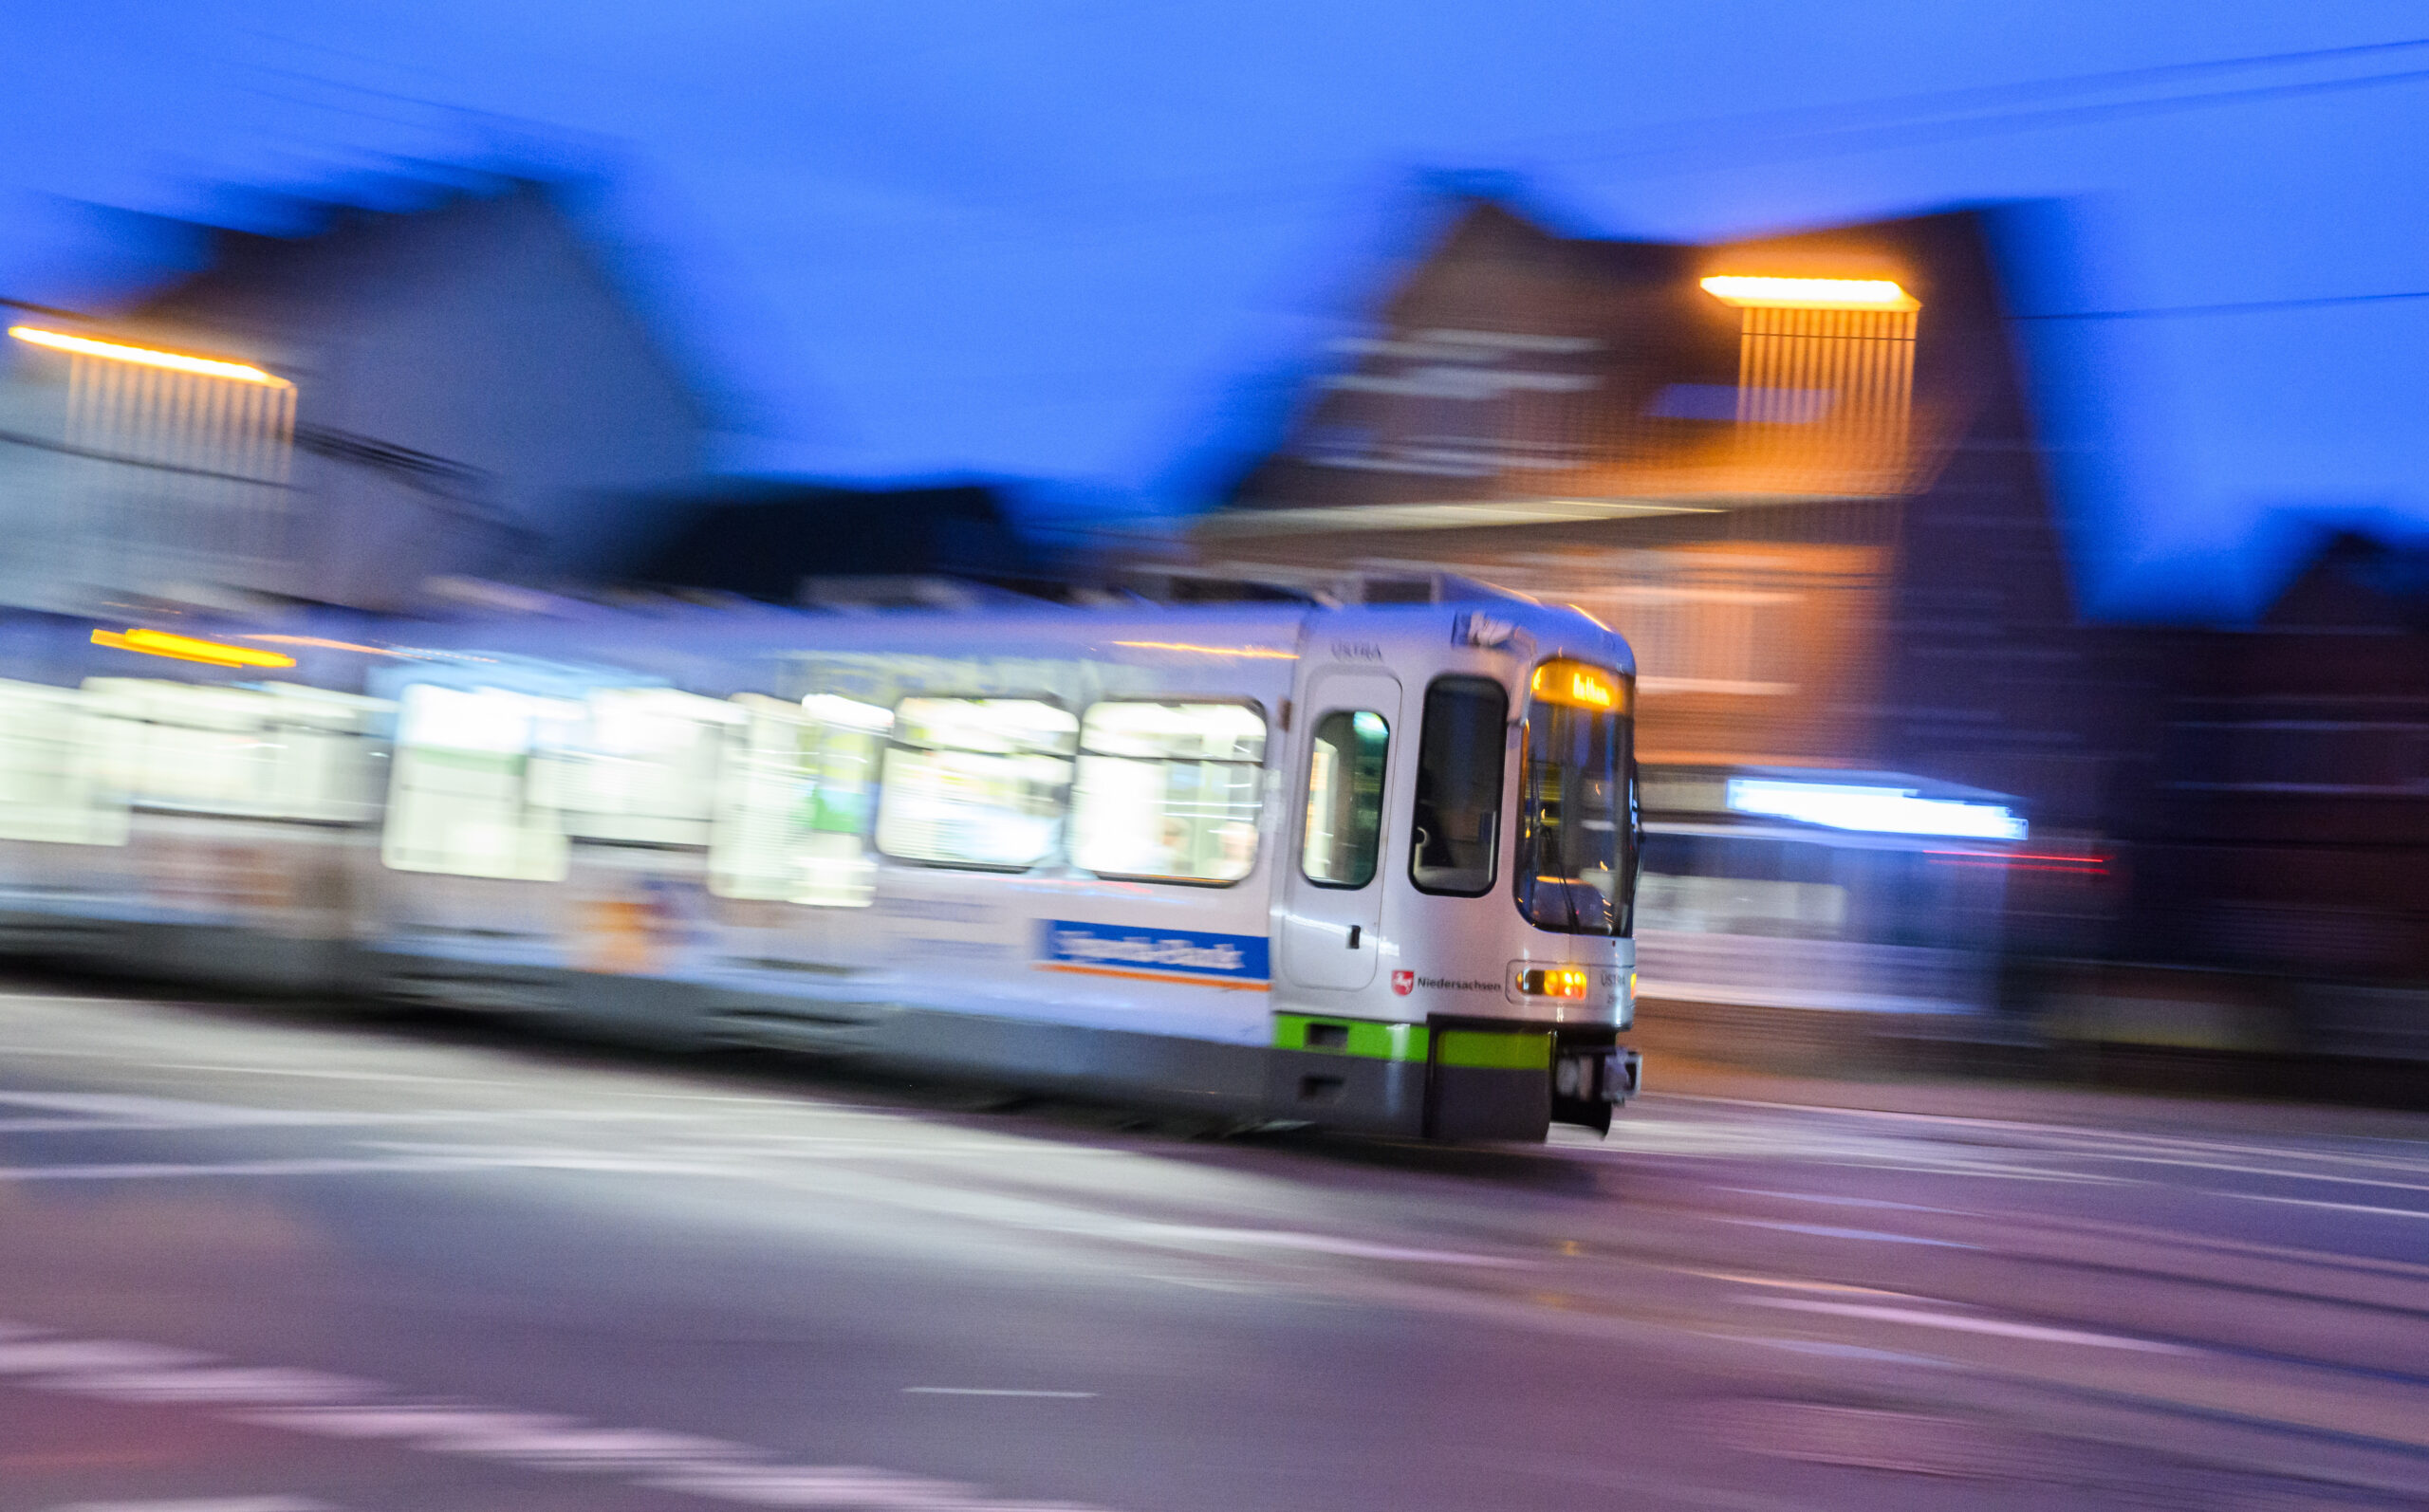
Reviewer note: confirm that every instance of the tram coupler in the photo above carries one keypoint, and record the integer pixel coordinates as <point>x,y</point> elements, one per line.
<point>1589,1080</point>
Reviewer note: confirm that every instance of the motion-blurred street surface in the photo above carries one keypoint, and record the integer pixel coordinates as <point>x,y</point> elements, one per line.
<point>263,1261</point>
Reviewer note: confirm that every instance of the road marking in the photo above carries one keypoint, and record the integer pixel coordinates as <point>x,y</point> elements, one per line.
<point>175,1113</point>
<point>220,1384</point>
<point>331,1076</point>
<point>101,1112</point>
<point>1832,1201</point>
<point>985,1390</point>
<point>1826,1232</point>
<point>713,1469</point>
<point>1831,1351</point>
<point>327,1166</point>
<point>70,1356</point>
<point>1971,1325</point>
<point>1792,1286</point>
<point>2332,1207</point>
<point>224,1503</point>
<point>843,1486</point>
<point>1319,1244</point>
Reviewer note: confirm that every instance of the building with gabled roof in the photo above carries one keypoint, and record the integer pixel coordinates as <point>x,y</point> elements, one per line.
<point>461,388</point>
<point>1812,502</point>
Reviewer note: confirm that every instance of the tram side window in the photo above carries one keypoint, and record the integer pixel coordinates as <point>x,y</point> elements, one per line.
<point>1345,798</point>
<point>282,750</point>
<point>640,768</point>
<point>1168,791</point>
<point>1455,840</point>
<point>460,800</point>
<point>49,777</point>
<point>975,782</point>
<point>794,801</point>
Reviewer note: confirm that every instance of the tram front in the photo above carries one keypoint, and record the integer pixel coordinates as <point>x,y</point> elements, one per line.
<point>1455,948</point>
<point>1540,1045</point>
<point>1578,840</point>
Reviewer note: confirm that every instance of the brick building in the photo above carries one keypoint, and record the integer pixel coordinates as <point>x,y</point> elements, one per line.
<point>1798,472</point>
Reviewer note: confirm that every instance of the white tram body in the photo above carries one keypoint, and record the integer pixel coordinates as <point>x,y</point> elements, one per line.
<point>1366,868</point>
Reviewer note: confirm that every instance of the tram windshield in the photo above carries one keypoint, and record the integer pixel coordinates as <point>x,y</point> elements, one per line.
<point>1575,863</point>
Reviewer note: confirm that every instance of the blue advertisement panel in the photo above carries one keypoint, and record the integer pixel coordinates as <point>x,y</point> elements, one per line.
<point>1182,956</point>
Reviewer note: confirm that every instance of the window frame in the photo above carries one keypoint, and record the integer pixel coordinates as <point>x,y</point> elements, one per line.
<point>399,750</point>
<point>102,815</point>
<point>1059,851</point>
<point>1079,750</point>
<point>1502,784</point>
<point>575,758</point>
<point>1629,818</point>
<point>737,736</point>
<point>270,720</point>
<point>1382,801</point>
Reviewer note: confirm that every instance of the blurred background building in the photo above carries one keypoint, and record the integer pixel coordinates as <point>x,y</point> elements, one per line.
<point>1801,474</point>
<point>458,389</point>
<point>1812,504</point>
<point>2279,820</point>
<point>787,542</point>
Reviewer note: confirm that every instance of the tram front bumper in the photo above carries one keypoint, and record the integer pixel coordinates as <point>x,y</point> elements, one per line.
<point>1587,1082</point>
<point>1599,1076</point>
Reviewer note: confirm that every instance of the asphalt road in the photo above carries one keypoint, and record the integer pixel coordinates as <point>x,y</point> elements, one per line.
<point>253,1260</point>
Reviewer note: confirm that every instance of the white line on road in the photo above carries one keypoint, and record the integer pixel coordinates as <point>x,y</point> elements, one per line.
<point>224,1503</point>
<point>53,1357</point>
<point>1318,1244</point>
<point>323,1167</point>
<point>1832,1200</point>
<point>1792,1286</point>
<point>708,1467</point>
<point>985,1390</point>
<point>1971,1325</point>
<point>2332,1207</point>
<point>1826,1232</point>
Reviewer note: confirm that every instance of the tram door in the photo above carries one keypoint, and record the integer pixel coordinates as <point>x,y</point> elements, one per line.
<point>1333,900</point>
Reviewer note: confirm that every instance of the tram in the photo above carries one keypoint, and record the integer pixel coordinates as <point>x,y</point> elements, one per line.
<point>1369,868</point>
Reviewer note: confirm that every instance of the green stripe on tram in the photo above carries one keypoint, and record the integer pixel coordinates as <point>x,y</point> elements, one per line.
<point>1358,1037</point>
<point>1471,1049</point>
<point>1495,1052</point>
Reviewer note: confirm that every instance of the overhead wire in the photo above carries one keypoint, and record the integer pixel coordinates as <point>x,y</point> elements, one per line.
<point>2255,307</point>
<point>1807,126</point>
<point>1791,133</point>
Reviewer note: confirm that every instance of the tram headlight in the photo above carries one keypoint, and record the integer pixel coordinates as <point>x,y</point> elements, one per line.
<point>1553,982</point>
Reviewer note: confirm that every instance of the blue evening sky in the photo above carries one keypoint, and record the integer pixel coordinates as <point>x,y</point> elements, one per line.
<point>1080,241</point>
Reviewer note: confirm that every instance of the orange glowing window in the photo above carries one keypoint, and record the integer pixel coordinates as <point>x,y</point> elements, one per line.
<point>1810,293</point>
<point>147,356</point>
<point>1579,686</point>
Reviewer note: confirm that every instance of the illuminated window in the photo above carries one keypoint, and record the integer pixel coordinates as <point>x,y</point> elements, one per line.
<point>1345,798</point>
<point>278,751</point>
<point>975,782</point>
<point>640,768</point>
<point>1168,791</point>
<point>793,802</point>
<point>50,786</point>
<point>461,800</point>
<point>1833,358</point>
<point>1455,838</point>
<point>1577,803</point>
